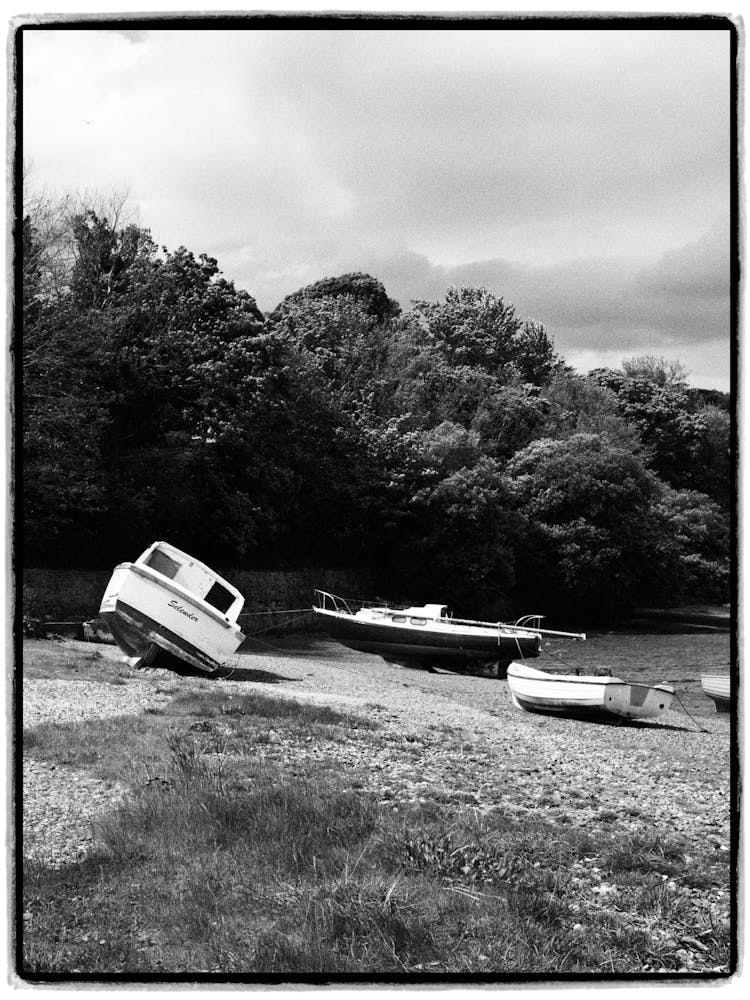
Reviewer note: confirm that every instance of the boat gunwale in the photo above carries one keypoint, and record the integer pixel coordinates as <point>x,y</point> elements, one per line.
<point>533,675</point>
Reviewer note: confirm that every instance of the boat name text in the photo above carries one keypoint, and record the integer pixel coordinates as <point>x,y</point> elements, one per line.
<point>183,611</point>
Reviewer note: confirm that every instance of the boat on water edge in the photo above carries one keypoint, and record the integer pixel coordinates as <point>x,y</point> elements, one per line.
<point>585,695</point>
<point>718,687</point>
<point>169,609</point>
<point>427,636</point>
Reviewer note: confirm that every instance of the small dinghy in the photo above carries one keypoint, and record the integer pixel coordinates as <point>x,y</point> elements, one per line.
<point>718,687</point>
<point>427,636</point>
<point>166,608</point>
<point>576,695</point>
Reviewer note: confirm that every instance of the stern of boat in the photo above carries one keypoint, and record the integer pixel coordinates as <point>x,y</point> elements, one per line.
<point>637,701</point>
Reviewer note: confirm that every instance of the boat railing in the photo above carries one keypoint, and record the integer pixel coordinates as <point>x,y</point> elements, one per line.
<point>529,621</point>
<point>342,605</point>
<point>350,605</point>
<point>521,626</point>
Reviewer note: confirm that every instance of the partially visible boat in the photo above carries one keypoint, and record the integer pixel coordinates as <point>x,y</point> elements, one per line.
<point>427,636</point>
<point>168,608</point>
<point>718,687</point>
<point>585,695</point>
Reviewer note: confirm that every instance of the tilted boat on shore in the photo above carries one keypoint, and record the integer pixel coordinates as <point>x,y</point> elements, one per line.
<point>168,608</point>
<point>427,636</point>
<point>581,695</point>
<point>718,687</point>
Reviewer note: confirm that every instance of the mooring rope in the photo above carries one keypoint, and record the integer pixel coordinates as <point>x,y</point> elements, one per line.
<point>284,611</point>
<point>269,628</point>
<point>691,716</point>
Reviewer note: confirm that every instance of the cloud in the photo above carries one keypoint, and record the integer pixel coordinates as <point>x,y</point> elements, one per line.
<point>598,310</point>
<point>692,277</point>
<point>576,173</point>
<point>439,136</point>
<point>675,294</point>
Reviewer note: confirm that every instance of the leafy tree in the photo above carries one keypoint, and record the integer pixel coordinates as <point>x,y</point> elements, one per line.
<point>586,500</point>
<point>448,447</point>
<point>660,412</point>
<point>690,547</point>
<point>337,338</point>
<point>711,470</point>
<point>367,291</point>
<point>475,328</point>
<point>102,256</point>
<point>460,545</point>
<point>64,410</point>
<point>688,441</point>
<point>52,219</point>
<point>64,421</point>
<point>225,450</point>
<point>534,354</point>
<point>431,390</point>
<point>471,327</point>
<point>199,381</point>
<point>658,370</point>
<point>709,397</point>
<point>183,397</point>
<point>576,404</point>
<point>509,418</point>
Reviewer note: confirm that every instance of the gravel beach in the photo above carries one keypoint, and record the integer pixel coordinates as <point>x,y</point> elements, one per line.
<point>442,732</point>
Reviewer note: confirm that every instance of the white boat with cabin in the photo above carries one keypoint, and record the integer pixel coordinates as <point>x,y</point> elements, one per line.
<point>169,608</point>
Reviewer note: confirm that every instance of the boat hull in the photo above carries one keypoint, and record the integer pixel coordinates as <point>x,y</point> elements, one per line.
<point>718,687</point>
<point>427,644</point>
<point>150,619</point>
<point>585,696</point>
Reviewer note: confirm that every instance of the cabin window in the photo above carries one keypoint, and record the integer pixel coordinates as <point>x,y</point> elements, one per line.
<point>418,621</point>
<point>220,598</point>
<point>161,563</point>
<point>398,618</point>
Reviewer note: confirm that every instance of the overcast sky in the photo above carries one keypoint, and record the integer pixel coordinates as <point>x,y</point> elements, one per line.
<point>582,175</point>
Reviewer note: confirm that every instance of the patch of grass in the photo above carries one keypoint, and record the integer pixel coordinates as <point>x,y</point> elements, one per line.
<point>134,748</point>
<point>261,706</point>
<point>123,747</point>
<point>650,851</point>
<point>255,718</point>
<point>57,660</point>
<point>373,922</point>
<point>255,870</point>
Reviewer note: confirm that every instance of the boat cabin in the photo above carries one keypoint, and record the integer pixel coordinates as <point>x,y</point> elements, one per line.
<point>428,611</point>
<point>194,576</point>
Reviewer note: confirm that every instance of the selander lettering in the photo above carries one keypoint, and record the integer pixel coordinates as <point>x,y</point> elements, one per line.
<point>183,611</point>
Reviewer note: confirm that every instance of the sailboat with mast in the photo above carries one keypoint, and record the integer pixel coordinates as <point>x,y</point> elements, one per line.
<point>428,637</point>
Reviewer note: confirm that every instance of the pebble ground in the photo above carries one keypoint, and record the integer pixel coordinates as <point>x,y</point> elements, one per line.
<point>438,733</point>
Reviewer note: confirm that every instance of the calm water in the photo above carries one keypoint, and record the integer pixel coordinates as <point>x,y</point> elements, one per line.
<point>678,660</point>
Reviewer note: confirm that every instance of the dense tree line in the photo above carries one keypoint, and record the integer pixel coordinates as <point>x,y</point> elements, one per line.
<point>446,447</point>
